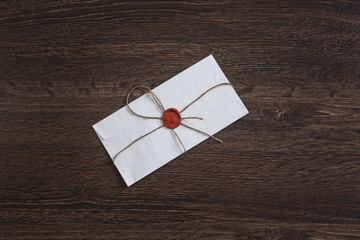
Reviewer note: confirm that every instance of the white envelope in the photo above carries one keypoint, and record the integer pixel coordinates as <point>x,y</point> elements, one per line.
<point>219,108</point>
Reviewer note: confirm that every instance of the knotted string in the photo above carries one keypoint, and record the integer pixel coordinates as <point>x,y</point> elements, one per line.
<point>162,110</point>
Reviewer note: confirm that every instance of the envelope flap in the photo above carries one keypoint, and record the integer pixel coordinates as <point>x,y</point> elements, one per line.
<point>100,132</point>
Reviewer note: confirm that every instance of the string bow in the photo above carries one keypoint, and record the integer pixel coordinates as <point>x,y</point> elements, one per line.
<point>171,117</point>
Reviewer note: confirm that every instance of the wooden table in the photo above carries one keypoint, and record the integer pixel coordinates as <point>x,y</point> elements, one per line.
<point>288,170</point>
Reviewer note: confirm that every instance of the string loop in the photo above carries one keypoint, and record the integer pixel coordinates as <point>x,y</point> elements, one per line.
<point>156,99</point>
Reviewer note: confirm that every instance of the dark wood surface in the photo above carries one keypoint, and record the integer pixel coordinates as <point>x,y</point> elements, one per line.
<point>288,170</point>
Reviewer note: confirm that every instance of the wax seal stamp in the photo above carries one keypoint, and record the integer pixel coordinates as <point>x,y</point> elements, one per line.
<point>171,118</point>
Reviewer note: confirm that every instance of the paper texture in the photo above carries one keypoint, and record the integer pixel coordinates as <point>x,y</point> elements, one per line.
<point>219,108</point>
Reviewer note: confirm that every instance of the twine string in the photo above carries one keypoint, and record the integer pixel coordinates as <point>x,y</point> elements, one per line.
<point>192,118</point>
<point>158,102</point>
<point>173,131</point>
<point>218,85</point>
<point>162,110</point>
<point>215,138</point>
<point>156,99</point>
<point>136,141</point>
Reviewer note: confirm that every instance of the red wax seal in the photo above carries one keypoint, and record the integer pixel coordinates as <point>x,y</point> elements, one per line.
<point>171,118</point>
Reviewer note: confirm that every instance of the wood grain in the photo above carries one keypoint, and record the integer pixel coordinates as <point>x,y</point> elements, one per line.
<point>288,170</point>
